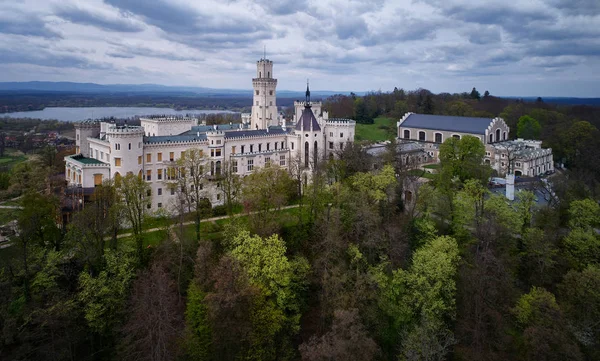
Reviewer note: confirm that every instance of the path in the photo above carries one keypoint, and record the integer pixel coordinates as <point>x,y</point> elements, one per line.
<point>192,222</point>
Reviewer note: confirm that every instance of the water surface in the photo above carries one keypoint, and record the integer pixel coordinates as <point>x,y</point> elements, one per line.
<point>76,114</point>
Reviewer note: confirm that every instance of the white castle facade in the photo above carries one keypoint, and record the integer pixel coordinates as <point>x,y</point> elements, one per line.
<point>108,151</point>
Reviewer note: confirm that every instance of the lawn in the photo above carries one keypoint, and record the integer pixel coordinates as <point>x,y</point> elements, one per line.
<point>421,173</point>
<point>383,129</point>
<point>7,215</point>
<point>432,166</point>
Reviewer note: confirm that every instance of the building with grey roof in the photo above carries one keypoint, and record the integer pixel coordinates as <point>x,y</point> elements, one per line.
<point>521,157</point>
<point>152,150</point>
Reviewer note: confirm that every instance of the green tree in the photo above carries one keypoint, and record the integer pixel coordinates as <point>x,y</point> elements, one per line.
<point>198,338</point>
<point>463,159</point>
<point>545,332</point>
<point>264,192</point>
<point>103,297</point>
<point>584,214</point>
<point>475,94</point>
<point>579,296</point>
<point>582,247</point>
<point>528,128</point>
<point>538,257</point>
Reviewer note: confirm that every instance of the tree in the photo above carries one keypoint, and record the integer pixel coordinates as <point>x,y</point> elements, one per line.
<point>104,297</point>
<point>545,333</point>
<point>582,247</point>
<point>463,159</point>
<point>486,94</point>
<point>579,296</point>
<point>136,199</point>
<point>475,94</point>
<point>346,340</point>
<point>190,173</point>
<point>538,257</point>
<point>584,214</point>
<point>264,192</point>
<point>154,320</point>
<point>528,128</point>
<point>231,184</point>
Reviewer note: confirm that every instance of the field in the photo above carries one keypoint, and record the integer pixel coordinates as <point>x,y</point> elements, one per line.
<point>11,159</point>
<point>383,129</point>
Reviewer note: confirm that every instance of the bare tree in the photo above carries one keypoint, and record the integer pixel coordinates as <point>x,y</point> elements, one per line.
<point>136,199</point>
<point>231,184</point>
<point>188,176</point>
<point>155,317</point>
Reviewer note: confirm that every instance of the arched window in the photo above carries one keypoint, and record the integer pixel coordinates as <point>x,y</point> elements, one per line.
<point>268,74</point>
<point>218,168</point>
<point>316,152</point>
<point>422,136</point>
<point>491,138</point>
<point>498,135</point>
<point>438,137</point>
<point>406,134</point>
<point>306,157</point>
<point>212,168</point>
<point>504,136</point>
<point>456,136</point>
<point>260,74</point>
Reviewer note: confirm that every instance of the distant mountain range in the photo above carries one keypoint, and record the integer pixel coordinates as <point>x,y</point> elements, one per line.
<point>47,86</point>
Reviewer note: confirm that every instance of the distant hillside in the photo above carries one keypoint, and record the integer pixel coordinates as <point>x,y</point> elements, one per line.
<point>45,86</point>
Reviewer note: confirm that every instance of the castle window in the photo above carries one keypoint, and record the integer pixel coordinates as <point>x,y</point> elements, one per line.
<point>267,161</point>
<point>140,159</point>
<point>251,148</point>
<point>330,145</point>
<point>250,165</point>
<point>517,164</point>
<point>217,152</point>
<point>282,160</point>
<point>149,158</point>
<point>331,134</point>
<point>159,157</point>
<point>117,162</point>
<point>149,192</point>
<point>218,168</point>
<point>341,135</point>
<point>242,149</point>
<point>270,92</point>
<point>269,146</point>
<point>171,156</point>
<point>492,138</point>
<point>234,166</point>
<point>117,146</point>
<point>341,145</point>
<point>282,145</point>
<point>306,157</point>
<point>504,136</point>
<point>218,141</point>
<point>159,191</point>
<point>257,94</point>
<point>233,149</point>
<point>456,136</point>
<point>497,135</point>
<point>172,191</point>
<point>159,174</point>
<point>129,146</point>
<point>149,175</point>
<point>159,205</point>
<point>292,145</point>
<point>269,75</point>
<point>260,147</point>
<point>422,135</point>
<point>271,103</point>
<point>438,137</point>
<point>275,145</point>
<point>406,134</point>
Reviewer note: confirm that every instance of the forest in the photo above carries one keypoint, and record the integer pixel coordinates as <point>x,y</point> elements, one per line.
<point>339,268</point>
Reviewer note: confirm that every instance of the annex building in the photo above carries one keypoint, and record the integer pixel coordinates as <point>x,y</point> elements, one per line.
<point>108,151</point>
<point>521,157</point>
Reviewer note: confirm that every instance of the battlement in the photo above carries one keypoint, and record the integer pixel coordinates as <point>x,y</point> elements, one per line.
<point>168,119</point>
<point>87,124</point>
<point>126,130</point>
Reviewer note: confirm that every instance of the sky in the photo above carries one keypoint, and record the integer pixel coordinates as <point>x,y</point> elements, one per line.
<point>510,48</point>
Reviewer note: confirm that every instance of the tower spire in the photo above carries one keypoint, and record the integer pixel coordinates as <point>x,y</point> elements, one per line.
<point>307,94</point>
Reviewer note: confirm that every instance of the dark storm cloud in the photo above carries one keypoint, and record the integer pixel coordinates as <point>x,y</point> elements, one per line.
<point>577,7</point>
<point>25,24</point>
<point>187,25</point>
<point>130,51</point>
<point>354,27</point>
<point>85,17</point>
<point>43,57</point>
<point>284,7</point>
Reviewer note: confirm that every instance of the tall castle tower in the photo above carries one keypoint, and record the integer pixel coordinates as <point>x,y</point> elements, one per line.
<point>264,106</point>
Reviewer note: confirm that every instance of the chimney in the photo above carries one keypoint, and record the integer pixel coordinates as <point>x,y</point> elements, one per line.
<point>510,187</point>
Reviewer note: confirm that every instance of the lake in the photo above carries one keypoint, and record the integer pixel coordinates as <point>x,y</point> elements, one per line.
<point>77,114</point>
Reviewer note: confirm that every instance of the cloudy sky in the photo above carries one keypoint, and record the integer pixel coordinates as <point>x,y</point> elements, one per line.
<point>518,47</point>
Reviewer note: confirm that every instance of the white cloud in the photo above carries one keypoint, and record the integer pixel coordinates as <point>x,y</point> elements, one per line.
<point>443,45</point>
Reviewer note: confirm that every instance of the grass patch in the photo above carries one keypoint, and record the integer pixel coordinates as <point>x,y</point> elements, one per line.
<point>421,173</point>
<point>382,129</point>
<point>7,215</point>
<point>432,166</point>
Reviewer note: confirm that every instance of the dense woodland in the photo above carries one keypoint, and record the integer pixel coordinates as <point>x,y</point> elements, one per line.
<point>350,272</point>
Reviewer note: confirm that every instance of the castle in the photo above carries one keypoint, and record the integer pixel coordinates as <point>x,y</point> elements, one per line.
<point>107,151</point>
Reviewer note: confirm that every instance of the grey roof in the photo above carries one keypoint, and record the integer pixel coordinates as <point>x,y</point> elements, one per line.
<point>306,119</point>
<point>447,123</point>
<point>255,133</point>
<point>175,138</point>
